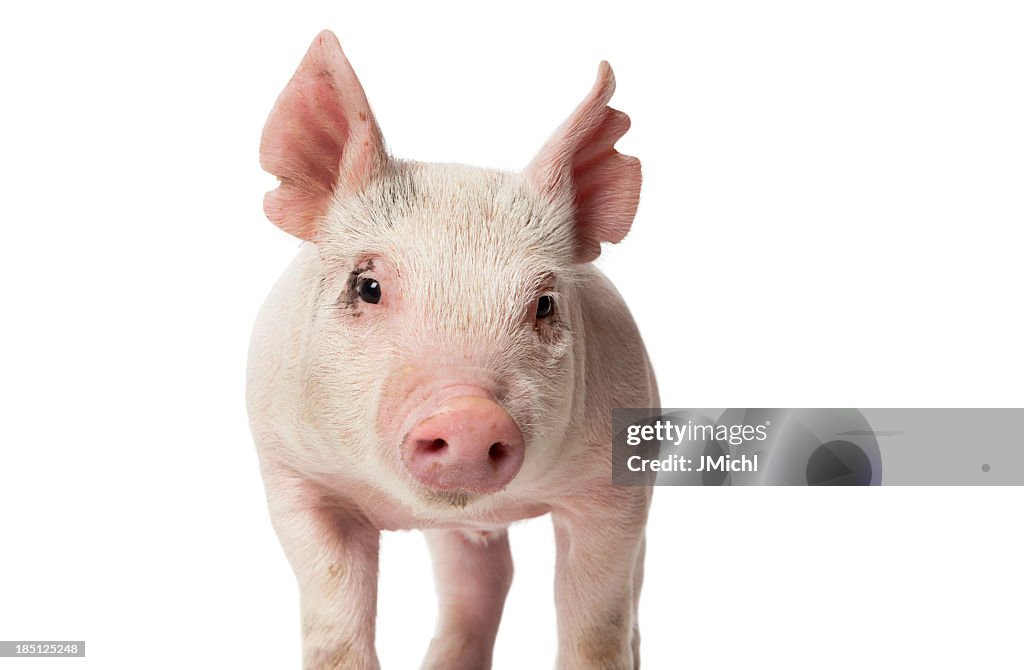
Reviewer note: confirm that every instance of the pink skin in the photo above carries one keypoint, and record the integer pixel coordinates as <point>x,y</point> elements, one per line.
<point>450,404</point>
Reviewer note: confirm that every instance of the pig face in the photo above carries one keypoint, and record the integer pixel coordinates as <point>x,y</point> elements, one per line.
<point>443,360</point>
<point>441,283</point>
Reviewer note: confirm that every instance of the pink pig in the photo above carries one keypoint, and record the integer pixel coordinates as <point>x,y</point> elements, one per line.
<point>442,355</point>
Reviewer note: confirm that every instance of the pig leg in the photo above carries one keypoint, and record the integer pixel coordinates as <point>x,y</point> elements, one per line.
<point>638,580</point>
<point>599,539</point>
<point>334,555</point>
<point>473,572</point>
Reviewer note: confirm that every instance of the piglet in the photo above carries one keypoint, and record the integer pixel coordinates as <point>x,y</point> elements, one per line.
<point>442,355</point>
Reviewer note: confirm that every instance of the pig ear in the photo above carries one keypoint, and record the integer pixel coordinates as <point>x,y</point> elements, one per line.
<point>581,158</point>
<point>320,137</point>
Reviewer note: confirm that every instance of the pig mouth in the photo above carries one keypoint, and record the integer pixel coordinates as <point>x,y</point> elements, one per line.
<point>439,498</point>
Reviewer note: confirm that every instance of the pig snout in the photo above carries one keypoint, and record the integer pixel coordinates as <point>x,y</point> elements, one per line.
<point>469,443</point>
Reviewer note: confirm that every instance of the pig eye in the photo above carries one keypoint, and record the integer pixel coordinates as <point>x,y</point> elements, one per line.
<point>369,290</point>
<point>545,306</point>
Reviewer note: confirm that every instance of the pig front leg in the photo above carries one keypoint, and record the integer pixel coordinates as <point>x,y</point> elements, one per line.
<point>335,557</point>
<point>599,539</point>
<point>473,572</point>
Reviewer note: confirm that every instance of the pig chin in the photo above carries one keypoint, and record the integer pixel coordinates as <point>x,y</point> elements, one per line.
<point>445,499</point>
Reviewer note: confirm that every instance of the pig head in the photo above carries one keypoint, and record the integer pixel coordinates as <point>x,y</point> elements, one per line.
<point>442,355</point>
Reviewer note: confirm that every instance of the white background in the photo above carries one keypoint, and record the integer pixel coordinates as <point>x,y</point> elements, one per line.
<point>831,216</point>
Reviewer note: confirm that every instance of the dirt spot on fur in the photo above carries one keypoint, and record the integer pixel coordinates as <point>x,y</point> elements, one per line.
<point>603,645</point>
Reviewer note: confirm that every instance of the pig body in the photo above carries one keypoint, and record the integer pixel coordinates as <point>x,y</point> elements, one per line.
<point>442,355</point>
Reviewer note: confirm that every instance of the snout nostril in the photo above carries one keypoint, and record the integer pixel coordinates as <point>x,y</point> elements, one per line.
<point>496,452</point>
<point>433,446</point>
